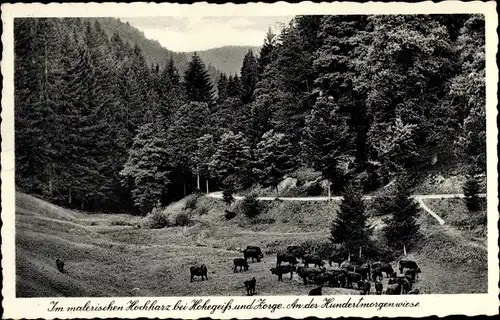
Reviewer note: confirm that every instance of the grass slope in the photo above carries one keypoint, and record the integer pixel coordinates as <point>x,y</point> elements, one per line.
<point>106,256</point>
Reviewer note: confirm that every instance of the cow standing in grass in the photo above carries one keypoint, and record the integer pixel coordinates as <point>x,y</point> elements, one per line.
<point>253,252</point>
<point>250,286</point>
<point>200,271</point>
<point>60,265</point>
<point>286,257</point>
<point>241,263</point>
<point>281,270</point>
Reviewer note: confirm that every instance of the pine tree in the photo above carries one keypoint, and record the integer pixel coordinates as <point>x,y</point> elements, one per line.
<point>326,141</point>
<point>350,227</point>
<point>249,74</point>
<point>222,85</point>
<point>205,151</point>
<point>267,51</point>
<point>273,159</point>
<point>197,83</point>
<point>234,87</point>
<point>471,191</point>
<point>147,168</point>
<point>401,230</point>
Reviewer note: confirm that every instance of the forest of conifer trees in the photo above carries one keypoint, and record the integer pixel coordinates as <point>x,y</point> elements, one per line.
<point>356,97</point>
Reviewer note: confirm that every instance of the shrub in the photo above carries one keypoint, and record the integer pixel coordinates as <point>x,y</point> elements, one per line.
<point>120,222</point>
<point>229,215</point>
<point>191,201</point>
<point>227,196</point>
<point>263,221</point>
<point>182,219</point>
<point>251,207</point>
<point>157,219</point>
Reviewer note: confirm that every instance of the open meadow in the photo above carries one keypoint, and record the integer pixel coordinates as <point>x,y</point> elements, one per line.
<point>108,255</point>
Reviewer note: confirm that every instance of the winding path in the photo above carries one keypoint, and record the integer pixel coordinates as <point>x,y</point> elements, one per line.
<point>419,197</point>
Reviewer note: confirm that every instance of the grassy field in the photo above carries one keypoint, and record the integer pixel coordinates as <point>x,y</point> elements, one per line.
<point>106,256</point>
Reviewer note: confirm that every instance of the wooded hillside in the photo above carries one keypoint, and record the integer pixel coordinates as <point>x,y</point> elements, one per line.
<point>362,98</point>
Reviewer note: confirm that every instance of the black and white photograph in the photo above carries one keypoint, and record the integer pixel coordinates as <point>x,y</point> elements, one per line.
<point>250,155</point>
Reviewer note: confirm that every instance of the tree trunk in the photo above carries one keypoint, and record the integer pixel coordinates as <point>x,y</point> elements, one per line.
<point>198,179</point>
<point>206,182</point>
<point>184,187</point>
<point>360,252</point>
<point>404,249</point>
<point>69,195</point>
<point>277,192</point>
<point>329,191</point>
<point>349,255</point>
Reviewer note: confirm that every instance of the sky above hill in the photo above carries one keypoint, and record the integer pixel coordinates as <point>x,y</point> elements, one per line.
<point>183,34</point>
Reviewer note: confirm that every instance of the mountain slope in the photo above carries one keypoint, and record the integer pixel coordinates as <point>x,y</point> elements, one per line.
<point>227,59</point>
<point>152,50</point>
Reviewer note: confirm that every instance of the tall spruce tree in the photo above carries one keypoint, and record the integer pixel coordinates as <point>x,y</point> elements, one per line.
<point>249,75</point>
<point>197,83</point>
<point>350,227</point>
<point>401,230</point>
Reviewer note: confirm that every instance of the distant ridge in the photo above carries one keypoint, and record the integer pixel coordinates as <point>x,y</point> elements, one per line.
<point>227,59</point>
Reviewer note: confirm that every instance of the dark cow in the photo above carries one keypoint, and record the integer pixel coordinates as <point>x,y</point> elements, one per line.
<point>60,265</point>
<point>411,274</point>
<point>316,291</point>
<point>352,277</point>
<point>404,283</point>
<point>200,271</point>
<point>365,289</point>
<point>393,289</point>
<point>335,257</point>
<point>296,251</point>
<point>312,258</point>
<point>414,291</point>
<point>377,274</point>
<point>379,287</point>
<point>250,286</point>
<point>384,267</point>
<point>253,252</point>
<point>285,257</point>
<point>281,270</point>
<point>364,271</point>
<point>408,264</point>
<point>306,273</point>
<point>349,265</point>
<point>241,263</point>
<point>319,278</point>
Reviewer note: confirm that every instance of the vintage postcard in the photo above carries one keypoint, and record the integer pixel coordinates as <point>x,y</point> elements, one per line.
<point>252,160</point>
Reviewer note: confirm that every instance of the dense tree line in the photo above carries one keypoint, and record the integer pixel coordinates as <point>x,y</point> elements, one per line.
<point>358,98</point>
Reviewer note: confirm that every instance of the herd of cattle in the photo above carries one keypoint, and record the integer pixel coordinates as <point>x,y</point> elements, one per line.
<point>341,274</point>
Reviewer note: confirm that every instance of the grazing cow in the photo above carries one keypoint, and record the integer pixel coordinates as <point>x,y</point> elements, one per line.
<point>384,267</point>
<point>316,291</point>
<point>352,277</point>
<point>250,286</point>
<point>253,252</point>
<point>377,274</point>
<point>296,251</point>
<point>199,272</point>
<point>306,273</point>
<point>281,270</point>
<point>393,289</point>
<point>379,287</point>
<point>311,258</point>
<point>411,274</point>
<point>349,265</point>
<point>319,278</point>
<point>364,271</point>
<point>285,257</point>
<point>60,265</point>
<point>240,262</point>
<point>405,285</point>
<point>414,291</point>
<point>365,289</point>
<point>408,264</point>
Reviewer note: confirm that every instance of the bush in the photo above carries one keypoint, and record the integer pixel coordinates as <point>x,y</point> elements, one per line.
<point>229,215</point>
<point>182,219</point>
<point>191,201</point>
<point>157,219</point>
<point>251,207</point>
<point>120,222</point>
